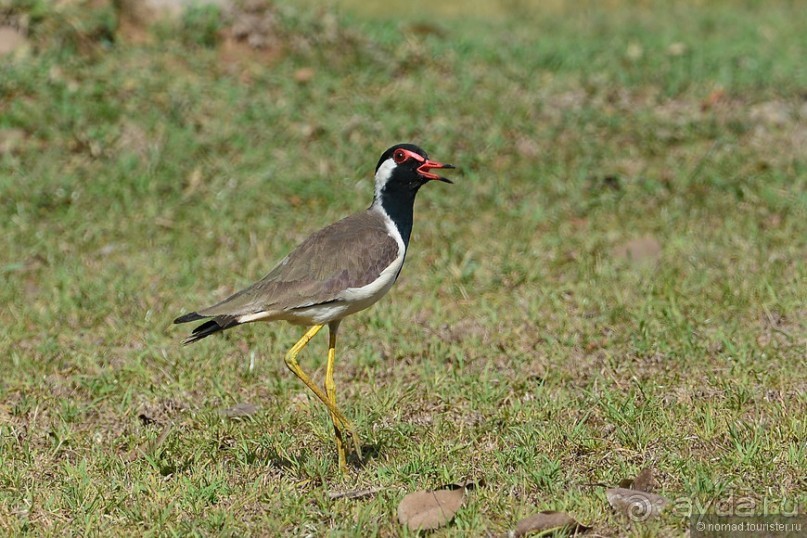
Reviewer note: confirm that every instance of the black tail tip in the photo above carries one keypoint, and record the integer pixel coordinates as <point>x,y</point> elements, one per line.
<point>192,316</point>
<point>204,330</point>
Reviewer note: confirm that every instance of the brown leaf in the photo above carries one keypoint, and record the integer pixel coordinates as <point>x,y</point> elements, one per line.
<point>429,510</point>
<point>240,410</point>
<point>549,521</point>
<point>637,505</point>
<point>644,481</point>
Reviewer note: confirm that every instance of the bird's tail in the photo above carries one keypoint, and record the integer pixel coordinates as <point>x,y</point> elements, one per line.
<point>207,328</point>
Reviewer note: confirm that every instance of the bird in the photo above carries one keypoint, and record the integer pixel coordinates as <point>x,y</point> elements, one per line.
<point>335,272</point>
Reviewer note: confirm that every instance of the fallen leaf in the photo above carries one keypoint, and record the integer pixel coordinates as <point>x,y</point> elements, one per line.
<point>429,510</point>
<point>549,521</point>
<point>637,505</point>
<point>240,410</point>
<point>644,481</point>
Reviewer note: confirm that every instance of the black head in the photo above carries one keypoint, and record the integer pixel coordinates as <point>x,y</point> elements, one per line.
<point>400,172</point>
<point>408,166</point>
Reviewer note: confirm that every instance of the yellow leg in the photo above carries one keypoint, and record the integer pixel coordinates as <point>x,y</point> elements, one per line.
<point>330,391</point>
<point>336,415</point>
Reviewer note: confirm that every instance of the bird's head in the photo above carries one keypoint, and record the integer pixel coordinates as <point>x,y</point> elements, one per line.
<point>406,167</point>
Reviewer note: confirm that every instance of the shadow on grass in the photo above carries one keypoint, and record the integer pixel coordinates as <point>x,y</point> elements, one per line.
<point>369,452</point>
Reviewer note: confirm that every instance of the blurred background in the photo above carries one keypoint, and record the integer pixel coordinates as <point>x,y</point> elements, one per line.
<point>615,280</point>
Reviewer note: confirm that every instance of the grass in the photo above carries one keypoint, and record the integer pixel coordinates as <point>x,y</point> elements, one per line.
<point>617,279</point>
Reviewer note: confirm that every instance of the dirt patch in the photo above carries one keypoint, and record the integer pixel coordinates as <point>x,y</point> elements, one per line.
<point>161,411</point>
<point>11,40</point>
<point>642,250</point>
<point>11,139</point>
<point>464,330</point>
<point>146,12</point>
<point>779,330</point>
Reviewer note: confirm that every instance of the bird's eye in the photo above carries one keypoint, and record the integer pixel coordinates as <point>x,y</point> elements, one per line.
<point>399,156</point>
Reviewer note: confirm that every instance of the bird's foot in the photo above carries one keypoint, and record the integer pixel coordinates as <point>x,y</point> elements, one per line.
<point>344,428</point>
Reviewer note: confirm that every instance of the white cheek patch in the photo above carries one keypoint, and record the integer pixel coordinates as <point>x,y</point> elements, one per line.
<point>382,175</point>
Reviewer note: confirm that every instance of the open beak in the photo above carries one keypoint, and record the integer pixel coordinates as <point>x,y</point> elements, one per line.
<point>424,168</point>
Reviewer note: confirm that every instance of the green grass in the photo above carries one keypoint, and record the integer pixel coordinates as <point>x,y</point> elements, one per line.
<point>521,345</point>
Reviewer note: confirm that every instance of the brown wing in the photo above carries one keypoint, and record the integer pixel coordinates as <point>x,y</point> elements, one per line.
<point>349,253</point>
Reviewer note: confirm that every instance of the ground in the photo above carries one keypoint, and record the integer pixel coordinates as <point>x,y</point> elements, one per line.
<point>615,281</point>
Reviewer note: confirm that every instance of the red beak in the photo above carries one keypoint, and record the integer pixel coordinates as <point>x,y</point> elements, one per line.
<point>424,168</point>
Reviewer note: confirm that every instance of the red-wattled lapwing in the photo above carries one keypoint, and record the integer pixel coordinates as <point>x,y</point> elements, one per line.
<point>337,271</point>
